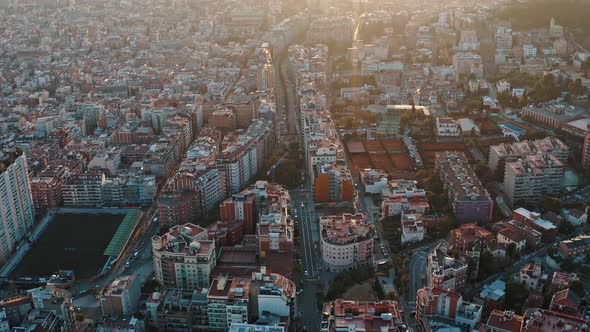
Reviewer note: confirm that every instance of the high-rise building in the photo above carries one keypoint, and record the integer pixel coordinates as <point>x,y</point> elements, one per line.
<point>227,301</point>
<point>470,201</point>
<point>17,213</point>
<point>531,177</point>
<point>183,257</point>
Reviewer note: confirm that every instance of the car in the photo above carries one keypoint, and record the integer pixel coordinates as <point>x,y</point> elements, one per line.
<point>127,264</point>
<point>300,291</point>
<point>136,253</point>
<point>306,273</point>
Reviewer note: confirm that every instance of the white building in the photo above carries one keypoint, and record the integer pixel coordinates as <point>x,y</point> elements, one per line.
<point>276,294</point>
<point>374,180</point>
<point>413,229</point>
<point>529,51</point>
<point>17,213</point>
<point>347,241</point>
<point>183,257</point>
<point>227,302</point>
<point>447,127</point>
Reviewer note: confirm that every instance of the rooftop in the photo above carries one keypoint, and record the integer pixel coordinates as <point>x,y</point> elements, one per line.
<point>345,229</point>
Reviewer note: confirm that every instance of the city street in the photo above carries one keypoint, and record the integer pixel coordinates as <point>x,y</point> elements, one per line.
<point>311,261</point>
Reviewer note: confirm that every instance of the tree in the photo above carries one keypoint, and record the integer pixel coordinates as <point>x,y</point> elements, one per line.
<point>516,295</point>
<point>568,265</point>
<point>149,287</point>
<point>549,203</point>
<point>511,251</point>
<point>566,228</point>
<point>487,265</point>
<point>577,287</point>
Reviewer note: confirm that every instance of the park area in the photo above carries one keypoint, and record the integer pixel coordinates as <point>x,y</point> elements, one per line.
<point>71,242</point>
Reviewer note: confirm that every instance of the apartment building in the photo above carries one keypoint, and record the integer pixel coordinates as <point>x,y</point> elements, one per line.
<point>363,316</point>
<point>17,212</point>
<point>121,297</point>
<point>504,321</point>
<point>333,184</point>
<point>178,310</point>
<point>401,195</point>
<point>374,180</point>
<point>276,294</point>
<point>433,304</point>
<point>227,302</point>
<point>469,200</point>
<point>447,127</point>
<point>183,257</point>
<point>444,271</point>
<point>346,241</point>
<point>84,189</point>
<point>506,152</point>
<point>574,247</point>
<point>531,177</point>
<point>413,229</point>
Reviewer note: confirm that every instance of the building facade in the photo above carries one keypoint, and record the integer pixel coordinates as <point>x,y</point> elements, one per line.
<point>17,212</point>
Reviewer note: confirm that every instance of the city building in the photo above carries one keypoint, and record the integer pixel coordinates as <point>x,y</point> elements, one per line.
<point>227,302</point>
<point>504,321</point>
<point>553,114</point>
<point>341,315</point>
<point>469,200</point>
<point>413,229</point>
<point>574,247</point>
<point>178,309</point>
<point>444,271</point>
<point>403,195</point>
<point>433,304</point>
<point>447,127</point>
<point>538,222</point>
<point>562,280</point>
<point>84,190</point>
<point>506,152</point>
<point>333,184</point>
<point>466,63</point>
<point>537,320</point>
<point>374,180</point>
<point>346,241</point>
<point>242,327</point>
<point>121,297</point>
<point>566,302</point>
<point>531,275</point>
<point>468,237</point>
<point>531,177</point>
<point>183,257</point>
<point>17,212</point>
<point>276,295</point>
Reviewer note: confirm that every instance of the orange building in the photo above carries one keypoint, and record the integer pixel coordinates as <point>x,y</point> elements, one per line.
<point>333,184</point>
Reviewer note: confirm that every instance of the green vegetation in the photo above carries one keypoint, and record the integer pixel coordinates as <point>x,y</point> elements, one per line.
<point>506,99</point>
<point>347,279</point>
<point>546,88</point>
<point>518,79</point>
<point>537,13</point>
<point>487,265</point>
<point>550,203</point>
<point>577,287</point>
<point>516,295</point>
